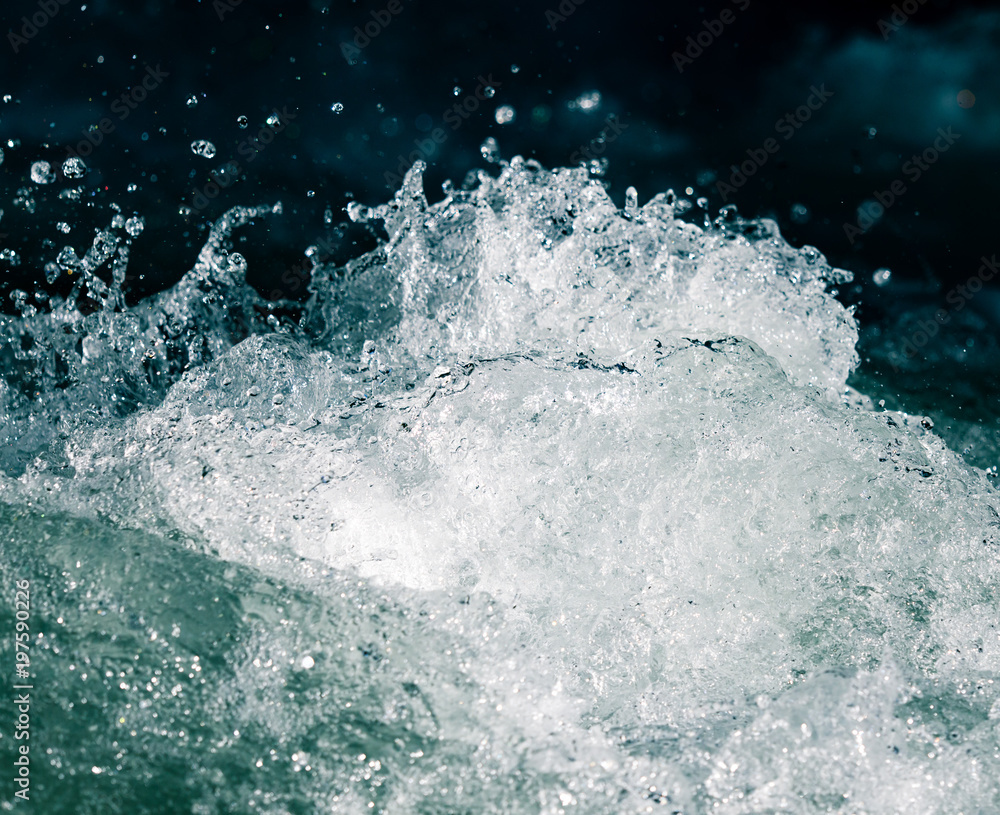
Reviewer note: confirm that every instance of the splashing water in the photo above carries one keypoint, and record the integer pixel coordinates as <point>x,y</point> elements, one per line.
<point>540,506</point>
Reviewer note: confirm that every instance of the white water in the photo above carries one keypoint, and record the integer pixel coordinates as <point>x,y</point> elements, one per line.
<point>639,547</point>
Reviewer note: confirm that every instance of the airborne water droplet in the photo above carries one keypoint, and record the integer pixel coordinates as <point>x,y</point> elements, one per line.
<point>134,226</point>
<point>505,115</point>
<point>74,167</point>
<point>490,150</point>
<point>881,277</point>
<point>41,173</point>
<point>201,147</point>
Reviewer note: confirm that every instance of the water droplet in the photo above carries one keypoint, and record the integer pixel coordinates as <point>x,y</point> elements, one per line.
<point>800,214</point>
<point>192,101</point>
<point>881,277</point>
<point>68,258</point>
<point>310,193</point>
<point>336,107</point>
<point>41,173</point>
<point>490,150</point>
<point>74,167</point>
<point>515,68</point>
<point>587,102</point>
<point>243,122</point>
<point>505,115</point>
<point>203,148</point>
<point>456,91</point>
<point>358,212</point>
<point>237,263</point>
<point>489,92</point>
<point>134,226</point>
<point>631,203</point>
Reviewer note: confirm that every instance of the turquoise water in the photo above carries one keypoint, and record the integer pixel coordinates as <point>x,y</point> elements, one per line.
<point>542,506</point>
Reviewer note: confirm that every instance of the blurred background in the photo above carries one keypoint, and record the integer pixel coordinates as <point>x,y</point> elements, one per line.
<point>869,130</point>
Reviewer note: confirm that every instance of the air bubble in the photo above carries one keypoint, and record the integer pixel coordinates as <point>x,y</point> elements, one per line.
<point>243,122</point>
<point>192,101</point>
<point>882,277</point>
<point>336,107</point>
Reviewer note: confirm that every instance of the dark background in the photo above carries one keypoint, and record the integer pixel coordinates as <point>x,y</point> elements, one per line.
<point>895,82</point>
